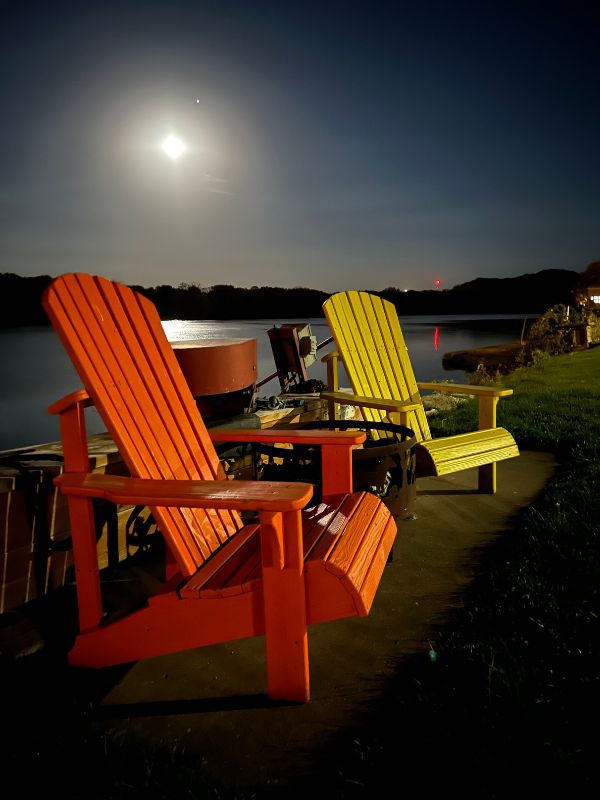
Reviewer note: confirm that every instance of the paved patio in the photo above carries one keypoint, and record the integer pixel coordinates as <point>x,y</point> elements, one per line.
<point>212,701</point>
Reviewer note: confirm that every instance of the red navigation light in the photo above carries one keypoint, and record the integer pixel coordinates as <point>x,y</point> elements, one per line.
<point>437,282</point>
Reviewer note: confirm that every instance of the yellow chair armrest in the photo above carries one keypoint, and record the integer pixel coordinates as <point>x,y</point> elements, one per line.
<point>343,398</point>
<point>463,388</point>
<point>488,398</point>
<point>332,356</point>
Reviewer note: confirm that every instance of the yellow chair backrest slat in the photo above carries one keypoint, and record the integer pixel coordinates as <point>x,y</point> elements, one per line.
<point>369,339</point>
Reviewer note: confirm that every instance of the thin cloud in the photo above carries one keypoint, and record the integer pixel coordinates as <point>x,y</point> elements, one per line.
<point>215,185</point>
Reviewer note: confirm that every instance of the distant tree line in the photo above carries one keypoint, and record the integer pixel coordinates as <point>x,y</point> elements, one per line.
<point>20,299</point>
<point>189,301</point>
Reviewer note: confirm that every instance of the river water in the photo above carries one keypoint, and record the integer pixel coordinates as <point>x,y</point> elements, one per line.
<point>36,371</point>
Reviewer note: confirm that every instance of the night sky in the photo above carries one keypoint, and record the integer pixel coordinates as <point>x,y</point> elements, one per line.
<point>329,145</point>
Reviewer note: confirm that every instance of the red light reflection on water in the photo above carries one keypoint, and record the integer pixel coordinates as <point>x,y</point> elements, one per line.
<point>436,339</point>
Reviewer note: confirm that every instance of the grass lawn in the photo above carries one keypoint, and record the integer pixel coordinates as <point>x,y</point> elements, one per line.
<point>510,706</point>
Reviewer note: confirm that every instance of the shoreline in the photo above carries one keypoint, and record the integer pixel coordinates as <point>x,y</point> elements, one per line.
<point>502,357</point>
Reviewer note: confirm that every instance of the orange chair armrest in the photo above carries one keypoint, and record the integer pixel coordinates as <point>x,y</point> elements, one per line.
<point>289,436</point>
<point>238,495</point>
<point>70,401</point>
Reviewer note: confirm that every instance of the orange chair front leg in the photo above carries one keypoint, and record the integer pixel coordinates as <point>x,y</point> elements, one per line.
<point>286,636</point>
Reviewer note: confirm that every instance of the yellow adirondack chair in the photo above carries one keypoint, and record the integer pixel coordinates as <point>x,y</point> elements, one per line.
<point>369,341</point>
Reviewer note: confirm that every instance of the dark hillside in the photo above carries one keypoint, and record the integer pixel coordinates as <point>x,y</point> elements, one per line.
<point>533,293</point>
<point>539,290</point>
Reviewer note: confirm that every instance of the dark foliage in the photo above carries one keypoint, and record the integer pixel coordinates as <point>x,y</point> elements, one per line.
<point>20,299</point>
<point>527,294</point>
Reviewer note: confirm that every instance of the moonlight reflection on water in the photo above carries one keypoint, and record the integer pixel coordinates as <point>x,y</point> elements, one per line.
<point>37,371</point>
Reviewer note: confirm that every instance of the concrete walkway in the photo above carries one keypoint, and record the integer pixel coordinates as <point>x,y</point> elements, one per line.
<point>211,702</point>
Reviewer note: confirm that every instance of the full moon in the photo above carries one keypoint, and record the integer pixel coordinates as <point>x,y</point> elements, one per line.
<point>173,147</point>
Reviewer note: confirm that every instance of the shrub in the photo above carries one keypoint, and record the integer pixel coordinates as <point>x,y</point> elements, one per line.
<point>548,334</point>
<point>482,377</point>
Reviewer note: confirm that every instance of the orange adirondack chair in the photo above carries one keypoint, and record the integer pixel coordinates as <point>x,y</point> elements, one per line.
<point>226,580</point>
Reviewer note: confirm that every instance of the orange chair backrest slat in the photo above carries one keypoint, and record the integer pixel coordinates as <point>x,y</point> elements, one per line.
<point>116,341</point>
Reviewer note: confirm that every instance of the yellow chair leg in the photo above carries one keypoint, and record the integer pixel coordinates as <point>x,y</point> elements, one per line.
<point>487,479</point>
<point>487,419</point>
